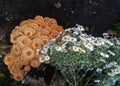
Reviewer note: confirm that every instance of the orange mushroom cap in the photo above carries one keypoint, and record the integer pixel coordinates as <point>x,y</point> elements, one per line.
<point>23,41</point>
<point>35,63</point>
<point>19,75</point>
<point>8,59</point>
<point>27,68</point>
<point>28,53</point>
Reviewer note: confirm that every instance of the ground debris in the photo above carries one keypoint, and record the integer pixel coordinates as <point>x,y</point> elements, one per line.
<point>5,46</point>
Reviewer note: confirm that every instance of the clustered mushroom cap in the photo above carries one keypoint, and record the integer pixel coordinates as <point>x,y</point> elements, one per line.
<point>26,38</point>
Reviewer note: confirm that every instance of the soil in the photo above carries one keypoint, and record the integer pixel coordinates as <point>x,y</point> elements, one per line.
<point>96,15</point>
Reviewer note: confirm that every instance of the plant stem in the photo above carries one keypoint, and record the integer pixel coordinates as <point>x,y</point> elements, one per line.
<point>83,76</point>
<point>90,78</point>
<point>67,79</point>
<point>72,71</point>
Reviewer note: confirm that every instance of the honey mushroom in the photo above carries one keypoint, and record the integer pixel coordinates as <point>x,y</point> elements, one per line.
<point>39,18</point>
<point>45,39</point>
<point>8,59</point>
<point>40,21</point>
<point>28,53</point>
<point>44,32</point>
<point>36,43</point>
<point>35,63</point>
<point>49,21</point>
<point>33,26</point>
<point>16,50</point>
<point>24,22</point>
<point>27,68</point>
<point>28,31</point>
<point>17,63</point>
<point>26,38</point>
<point>23,41</point>
<point>54,33</point>
<point>14,35</point>
<point>49,29</point>
<point>19,75</point>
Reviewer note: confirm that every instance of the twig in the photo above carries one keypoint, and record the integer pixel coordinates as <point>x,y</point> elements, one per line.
<point>90,79</point>
<point>67,79</point>
<point>65,76</point>
<point>5,46</point>
<point>83,76</point>
<point>73,75</point>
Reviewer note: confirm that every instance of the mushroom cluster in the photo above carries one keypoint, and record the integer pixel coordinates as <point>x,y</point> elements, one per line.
<point>26,38</point>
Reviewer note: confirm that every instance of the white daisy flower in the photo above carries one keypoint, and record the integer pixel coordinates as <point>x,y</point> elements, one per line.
<point>97,81</point>
<point>83,35</point>
<point>42,60</point>
<point>89,46</point>
<point>79,28</point>
<point>93,38</point>
<point>59,48</point>
<point>110,74</point>
<point>82,38</point>
<point>115,71</point>
<point>97,44</point>
<point>100,39</point>
<point>82,50</point>
<point>106,35</point>
<point>75,48</point>
<point>101,42</point>
<point>104,54</point>
<point>108,42</point>
<point>44,51</point>
<point>76,33</point>
<point>111,53</point>
<point>46,46</point>
<point>47,58</point>
<point>72,39</point>
<point>66,38</point>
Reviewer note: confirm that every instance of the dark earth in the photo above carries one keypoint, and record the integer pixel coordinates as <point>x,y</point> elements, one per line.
<point>97,15</point>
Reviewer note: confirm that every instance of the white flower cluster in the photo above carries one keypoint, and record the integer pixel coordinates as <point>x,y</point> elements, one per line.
<point>81,43</point>
<point>44,50</point>
<point>115,68</point>
<point>114,71</point>
<point>83,51</point>
<point>89,42</point>
<point>68,38</point>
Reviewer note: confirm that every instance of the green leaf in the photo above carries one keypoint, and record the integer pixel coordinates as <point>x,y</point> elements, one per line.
<point>2,52</point>
<point>1,55</point>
